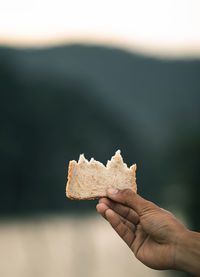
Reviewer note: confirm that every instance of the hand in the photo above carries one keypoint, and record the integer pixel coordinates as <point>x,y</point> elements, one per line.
<point>151,232</point>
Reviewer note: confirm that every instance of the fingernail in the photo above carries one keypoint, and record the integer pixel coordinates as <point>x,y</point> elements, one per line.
<point>112,191</point>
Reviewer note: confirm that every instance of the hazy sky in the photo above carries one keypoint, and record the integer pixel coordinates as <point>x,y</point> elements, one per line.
<point>166,27</point>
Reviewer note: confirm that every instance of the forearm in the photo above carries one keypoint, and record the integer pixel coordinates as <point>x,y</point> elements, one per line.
<point>188,253</point>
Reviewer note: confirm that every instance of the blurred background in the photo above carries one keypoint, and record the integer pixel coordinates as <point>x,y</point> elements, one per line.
<point>92,77</point>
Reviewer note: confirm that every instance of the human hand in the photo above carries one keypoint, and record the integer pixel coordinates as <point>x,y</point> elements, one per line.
<point>151,233</point>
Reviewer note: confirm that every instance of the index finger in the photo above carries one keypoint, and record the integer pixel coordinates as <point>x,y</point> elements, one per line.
<point>124,211</point>
<point>130,199</point>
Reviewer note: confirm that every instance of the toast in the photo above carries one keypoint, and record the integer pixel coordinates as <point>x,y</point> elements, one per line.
<point>91,179</point>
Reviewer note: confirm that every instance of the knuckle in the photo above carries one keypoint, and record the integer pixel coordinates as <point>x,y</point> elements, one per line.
<point>127,213</point>
<point>148,207</point>
<point>125,232</point>
<point>118,226</point>
<point>126,192</point>
<point>126,195</point>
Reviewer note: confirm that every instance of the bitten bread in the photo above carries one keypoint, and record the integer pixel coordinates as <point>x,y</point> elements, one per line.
<point>91,179</point>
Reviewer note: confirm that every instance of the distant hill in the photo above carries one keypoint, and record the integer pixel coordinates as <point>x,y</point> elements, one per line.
<point>154,90</point>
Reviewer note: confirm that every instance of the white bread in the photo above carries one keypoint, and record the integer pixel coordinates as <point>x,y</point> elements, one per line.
<point>91,179</point>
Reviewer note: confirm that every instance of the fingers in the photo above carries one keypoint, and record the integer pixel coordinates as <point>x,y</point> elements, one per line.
<point>131,199</point>
<point>117,223</point>
<point>124,211</point>
<point>102,208</point>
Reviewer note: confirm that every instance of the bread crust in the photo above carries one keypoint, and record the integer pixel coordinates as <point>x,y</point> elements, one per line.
<point>73,163</point>
<point>69,179</point>
<point>133,170</point>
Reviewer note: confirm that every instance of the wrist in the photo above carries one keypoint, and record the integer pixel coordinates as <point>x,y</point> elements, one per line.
<point>187,252</point>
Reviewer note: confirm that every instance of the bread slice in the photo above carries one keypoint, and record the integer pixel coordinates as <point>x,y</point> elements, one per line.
<point>91,179</point>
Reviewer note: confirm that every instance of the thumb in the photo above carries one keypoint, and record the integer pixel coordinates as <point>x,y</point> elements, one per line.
<point>131,199</point>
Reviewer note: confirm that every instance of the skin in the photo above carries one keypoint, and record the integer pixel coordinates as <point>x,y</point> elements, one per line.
<point>153,234</point>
